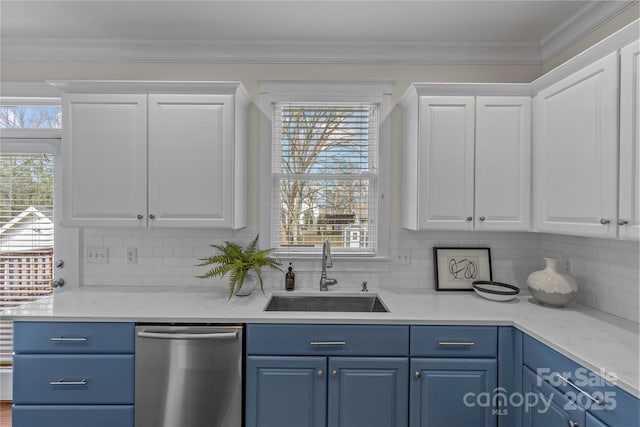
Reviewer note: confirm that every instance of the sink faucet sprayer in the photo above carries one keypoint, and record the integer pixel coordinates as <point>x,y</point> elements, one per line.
<point>326,263</point>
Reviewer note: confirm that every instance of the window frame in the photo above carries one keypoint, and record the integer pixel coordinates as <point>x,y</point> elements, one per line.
<point>374,91</point>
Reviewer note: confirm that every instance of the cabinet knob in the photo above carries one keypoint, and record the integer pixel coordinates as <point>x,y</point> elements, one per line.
<point>58,283</point>
<point>482,218</point>
<point>604,221</point>
<point>60,263</point>
<point>140,216</point>
<point>320,373</point>
<point>334,373</point>
<point>152,216</point>
<point>469,218</point>
<point>623,222</point>
<point>418,374</point>
<point>573,423</point>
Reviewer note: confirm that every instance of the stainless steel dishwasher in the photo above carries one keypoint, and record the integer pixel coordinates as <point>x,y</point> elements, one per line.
<point>188,376</point>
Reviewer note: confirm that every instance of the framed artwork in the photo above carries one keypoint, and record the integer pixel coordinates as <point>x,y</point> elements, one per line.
<point>455,269</point>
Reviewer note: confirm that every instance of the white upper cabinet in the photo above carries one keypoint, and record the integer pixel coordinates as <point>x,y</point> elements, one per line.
<point>575,162</point>
<point>629,209</point>
<point>445,177</point>
<point>105,159</point>
<point>467,162</point>
<point>156,159</point>
<point>503,163</point>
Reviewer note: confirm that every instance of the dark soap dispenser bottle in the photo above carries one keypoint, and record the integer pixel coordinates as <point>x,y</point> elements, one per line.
<point>290,279</point>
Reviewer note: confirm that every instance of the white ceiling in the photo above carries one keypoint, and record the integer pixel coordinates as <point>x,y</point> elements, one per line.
<point>304,30</point>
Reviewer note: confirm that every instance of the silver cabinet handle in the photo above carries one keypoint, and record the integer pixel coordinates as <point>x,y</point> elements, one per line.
<point>573,423</point>
<point>456,343</point>
<point>152,216</point>
<point>623,222</point>
<point>60,263</point>
<point>320,374</point>
<point>140,216</point>
<point>482,218</point>
<point>65,382</point>
<point>334,373</point>
<point>578,389</point>
<point>69,339</point>
<point>469,218</point>
<point>418,374</point>
<point>188,336</point>
<point>604,221</point>
<point>328,343</point>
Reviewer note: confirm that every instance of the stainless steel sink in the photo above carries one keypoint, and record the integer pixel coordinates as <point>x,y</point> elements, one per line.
<point>337,303</point>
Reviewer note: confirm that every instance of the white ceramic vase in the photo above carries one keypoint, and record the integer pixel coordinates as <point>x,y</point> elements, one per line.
<point>551,287</point>
<point>248,286</point>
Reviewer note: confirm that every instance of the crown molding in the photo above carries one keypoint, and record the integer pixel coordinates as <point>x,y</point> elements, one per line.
<point>271,51</point>
<point>585,21</point>
<point>581,24</point>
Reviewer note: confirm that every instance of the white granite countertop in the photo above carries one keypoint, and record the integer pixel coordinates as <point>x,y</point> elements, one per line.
<point>596,340</point>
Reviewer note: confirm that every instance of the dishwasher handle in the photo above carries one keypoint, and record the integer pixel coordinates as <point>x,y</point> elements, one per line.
<point>189,336</point>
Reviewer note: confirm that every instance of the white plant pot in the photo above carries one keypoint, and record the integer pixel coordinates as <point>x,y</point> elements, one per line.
<point>551,287</point>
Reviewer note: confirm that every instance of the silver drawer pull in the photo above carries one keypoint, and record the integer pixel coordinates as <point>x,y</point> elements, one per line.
<point>578,389</point>
<point>66,339</point>
<point>64,382</point>
<point>328,343</point>
<point>456,343</point>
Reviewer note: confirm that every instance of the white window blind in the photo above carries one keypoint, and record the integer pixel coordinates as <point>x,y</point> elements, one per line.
<point>324,169</point>
<point>26,234</point>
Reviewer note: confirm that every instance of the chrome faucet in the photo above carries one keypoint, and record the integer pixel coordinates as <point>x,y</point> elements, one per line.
<point>326,263</point>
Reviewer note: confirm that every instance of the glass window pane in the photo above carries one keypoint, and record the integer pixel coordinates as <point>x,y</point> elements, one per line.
<point>30,117</point>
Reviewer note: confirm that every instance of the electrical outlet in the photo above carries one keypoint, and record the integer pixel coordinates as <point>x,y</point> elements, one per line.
<point>97,255</point>
<point>566,265</point>
<point>402,257</point>
<point>132,255</point>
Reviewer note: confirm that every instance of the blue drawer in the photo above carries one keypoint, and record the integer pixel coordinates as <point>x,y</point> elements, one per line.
<point>73,379</point>
<point>352,340</point>
<point>73,416</point>
<point>73,337</point>
<point>618,408</point>
<point>454,341</point>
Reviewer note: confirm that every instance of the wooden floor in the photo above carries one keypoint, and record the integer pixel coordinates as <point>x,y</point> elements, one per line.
<point>5,414</point>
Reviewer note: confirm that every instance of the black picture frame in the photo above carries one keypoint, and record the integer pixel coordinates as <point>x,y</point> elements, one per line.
<point>455,268</point>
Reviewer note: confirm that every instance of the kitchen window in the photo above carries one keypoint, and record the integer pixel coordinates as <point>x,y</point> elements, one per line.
<point>324,171</point>
<point>325,167</point>
<point>29,130</point>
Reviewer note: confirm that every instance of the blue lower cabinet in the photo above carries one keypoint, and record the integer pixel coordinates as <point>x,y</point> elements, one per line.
<point>368,391</point>
<point>286,391</point>
<point>594,422</point>
<point>73,379</point>
<point>73,416</point>
<point>452,392</point>
<point>545,406</point>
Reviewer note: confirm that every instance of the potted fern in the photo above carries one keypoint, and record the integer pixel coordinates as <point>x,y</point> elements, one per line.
<point>239,262</point>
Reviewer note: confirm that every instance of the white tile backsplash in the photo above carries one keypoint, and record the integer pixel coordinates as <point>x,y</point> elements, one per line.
<point>606,270</point>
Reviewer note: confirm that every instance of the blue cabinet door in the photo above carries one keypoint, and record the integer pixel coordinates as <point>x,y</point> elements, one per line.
<point>368,391</point>
<point>594,422</point>
<point>453,392</point>
<point>545,406</point>
<point>286,391</point>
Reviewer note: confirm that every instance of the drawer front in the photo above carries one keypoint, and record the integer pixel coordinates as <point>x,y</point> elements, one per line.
<point>454,341</point>
<point>73,337</point>
<point>73,379</point>
<point>351,340</point>
<point>73,416</point>
<point>618,408</point>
